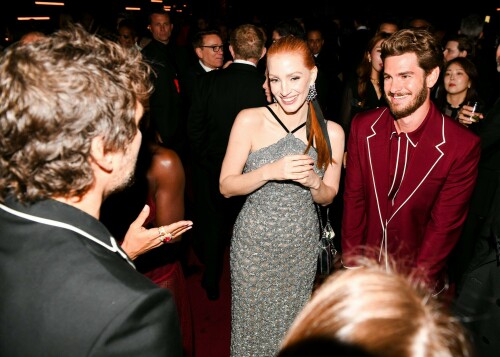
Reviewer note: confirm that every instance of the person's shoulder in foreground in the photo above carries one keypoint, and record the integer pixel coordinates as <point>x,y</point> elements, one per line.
<point>71,106</point>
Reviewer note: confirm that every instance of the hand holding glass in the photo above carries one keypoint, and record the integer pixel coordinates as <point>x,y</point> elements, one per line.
<point>475,111</point>
<point>470,113</point>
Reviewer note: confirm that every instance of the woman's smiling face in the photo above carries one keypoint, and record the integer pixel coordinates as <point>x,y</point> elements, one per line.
<point>289,80</point>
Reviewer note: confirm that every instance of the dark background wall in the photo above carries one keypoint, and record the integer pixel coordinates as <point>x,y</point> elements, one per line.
<point>267,12</point>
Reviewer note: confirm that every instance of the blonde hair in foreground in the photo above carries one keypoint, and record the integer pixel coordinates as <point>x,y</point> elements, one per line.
<point>383,312</point>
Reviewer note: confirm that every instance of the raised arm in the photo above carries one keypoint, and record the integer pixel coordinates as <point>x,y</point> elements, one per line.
<point>166,181</point>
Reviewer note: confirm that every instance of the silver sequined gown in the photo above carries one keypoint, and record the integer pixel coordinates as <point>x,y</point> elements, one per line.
<point>273,256</point>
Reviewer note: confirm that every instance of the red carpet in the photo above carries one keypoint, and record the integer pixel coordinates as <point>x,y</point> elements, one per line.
<point>212,319</point>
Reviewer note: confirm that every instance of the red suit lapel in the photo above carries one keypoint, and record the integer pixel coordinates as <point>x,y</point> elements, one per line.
<point>427,154</point>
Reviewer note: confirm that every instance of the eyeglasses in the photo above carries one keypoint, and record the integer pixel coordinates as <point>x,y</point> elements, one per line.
<point>215,48</point>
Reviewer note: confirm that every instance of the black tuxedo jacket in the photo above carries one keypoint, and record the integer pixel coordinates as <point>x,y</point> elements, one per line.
<point>218,98</point>
<point>353,46</point>
<point>167,109</point>
<point>69,290</point>
<point>328,84</point>
<point>479,287</point>
<point>190,79</point>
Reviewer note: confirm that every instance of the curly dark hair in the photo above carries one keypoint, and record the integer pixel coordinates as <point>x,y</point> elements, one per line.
<point>57,94</point>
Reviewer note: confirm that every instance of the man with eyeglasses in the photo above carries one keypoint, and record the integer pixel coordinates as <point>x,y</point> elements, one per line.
<point>209,50</point>
<point>217,98</point>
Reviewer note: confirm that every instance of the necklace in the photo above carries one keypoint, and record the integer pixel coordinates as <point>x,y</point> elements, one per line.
<point>375,81</point>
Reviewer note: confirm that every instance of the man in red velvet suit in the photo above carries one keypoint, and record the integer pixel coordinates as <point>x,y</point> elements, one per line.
<point>410,169</point>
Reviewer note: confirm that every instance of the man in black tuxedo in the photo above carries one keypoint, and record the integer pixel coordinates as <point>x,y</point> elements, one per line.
<point>169,62</point>
<point>218,98</point>
<point>71,106</point>
<point>209,51</point>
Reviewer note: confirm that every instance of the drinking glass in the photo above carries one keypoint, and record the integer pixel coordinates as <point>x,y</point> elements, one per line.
<point>475,111</point>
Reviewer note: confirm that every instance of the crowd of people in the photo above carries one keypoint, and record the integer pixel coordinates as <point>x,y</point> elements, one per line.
<point>119,150</point>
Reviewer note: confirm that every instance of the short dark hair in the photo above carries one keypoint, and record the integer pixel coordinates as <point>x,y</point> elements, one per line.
<point>199,37</point>
<point>289,27</point>
<point>128,23</point>
<point>464,44</point>
<point>158,11</point>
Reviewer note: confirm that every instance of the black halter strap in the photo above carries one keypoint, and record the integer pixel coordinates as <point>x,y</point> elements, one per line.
<point>283,125</point>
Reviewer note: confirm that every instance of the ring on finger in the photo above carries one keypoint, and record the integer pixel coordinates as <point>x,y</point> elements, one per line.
<point>164,235</point>
<point>168,237</point>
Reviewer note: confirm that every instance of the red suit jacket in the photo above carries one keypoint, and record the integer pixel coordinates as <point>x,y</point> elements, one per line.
<point>424,224</point>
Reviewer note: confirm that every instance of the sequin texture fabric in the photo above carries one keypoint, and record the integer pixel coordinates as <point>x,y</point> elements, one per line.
<point>273,257</point>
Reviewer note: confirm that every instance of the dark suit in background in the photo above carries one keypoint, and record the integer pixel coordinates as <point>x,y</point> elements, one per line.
<point>328,81</point>
<point>190,79</point>
<point>219,97</point>
<point>352,47</point>
<point>167,109</point>
<point>479,288</point>
<point>329,88</point>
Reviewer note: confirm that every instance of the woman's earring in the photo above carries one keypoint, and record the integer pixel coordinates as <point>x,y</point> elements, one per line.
<point>274,99</point>
<point>312,92</point>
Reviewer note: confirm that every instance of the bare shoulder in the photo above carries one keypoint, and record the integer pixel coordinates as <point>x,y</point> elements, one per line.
<point>165,159</point>
<point>335,130</point>
<point>166,172</point>
<point>250,118</point>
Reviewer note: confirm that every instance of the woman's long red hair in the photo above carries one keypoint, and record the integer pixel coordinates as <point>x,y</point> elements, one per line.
<point>316,136</point>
